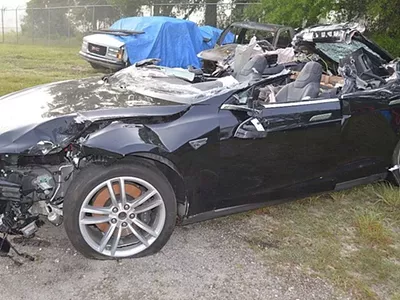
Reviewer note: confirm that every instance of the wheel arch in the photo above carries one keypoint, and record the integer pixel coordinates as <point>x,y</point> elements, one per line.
<point>122,142</point>
<point>170,171</point>
<point>147,154</point>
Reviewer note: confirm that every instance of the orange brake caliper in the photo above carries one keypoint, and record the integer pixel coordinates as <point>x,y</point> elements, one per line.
<point>102,198</point>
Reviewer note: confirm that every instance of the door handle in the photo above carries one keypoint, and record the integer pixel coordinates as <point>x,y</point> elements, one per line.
<point>321,117</point>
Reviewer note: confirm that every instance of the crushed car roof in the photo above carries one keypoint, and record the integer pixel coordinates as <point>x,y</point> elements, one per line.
<point>340,32</point>
<point>258,26</point>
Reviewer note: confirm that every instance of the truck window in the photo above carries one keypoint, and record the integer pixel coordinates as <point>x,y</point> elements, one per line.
<point>284,39</point>
<point>246,35</point>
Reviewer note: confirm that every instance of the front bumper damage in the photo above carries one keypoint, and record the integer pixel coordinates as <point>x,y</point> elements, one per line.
<point>57,132</point>
<point>37,161</point>
<point>103,62</point>
<point>28,191</point>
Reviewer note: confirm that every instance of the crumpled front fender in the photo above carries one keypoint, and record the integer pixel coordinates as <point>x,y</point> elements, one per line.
<point>123,139</point>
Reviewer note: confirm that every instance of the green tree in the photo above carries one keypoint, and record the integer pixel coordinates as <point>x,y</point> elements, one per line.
<point>93,16</point>
<point>129,8</point>
<point>296,13</point>
<point>381,17</point>
<point>46,22</point>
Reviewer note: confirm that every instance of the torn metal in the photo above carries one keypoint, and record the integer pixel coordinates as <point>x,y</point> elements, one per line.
<point>340,33</point>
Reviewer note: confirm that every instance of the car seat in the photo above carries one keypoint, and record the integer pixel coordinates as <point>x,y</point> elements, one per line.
<point>306,85</point>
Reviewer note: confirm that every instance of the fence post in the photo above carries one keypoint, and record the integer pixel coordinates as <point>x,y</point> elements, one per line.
<point>2,23</point>
<point>230,16</point>
<point>68,22</point>
<point>93,18</point>
<point>48,26</point>
<point>33,29</point>
<point>69,30</point>
<point>16,23</point>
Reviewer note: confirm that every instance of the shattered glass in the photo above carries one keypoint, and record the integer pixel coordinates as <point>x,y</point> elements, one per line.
<point>337,51</point>
<point>165,83</point>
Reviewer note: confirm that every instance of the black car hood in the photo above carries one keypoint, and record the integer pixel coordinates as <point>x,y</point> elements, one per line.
<point>53,113</point>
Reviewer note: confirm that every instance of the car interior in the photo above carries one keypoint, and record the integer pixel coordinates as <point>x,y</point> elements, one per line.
<point>360,70</point>
<point>309,83</point>
<point>297,80</point>
<point>289,86</point>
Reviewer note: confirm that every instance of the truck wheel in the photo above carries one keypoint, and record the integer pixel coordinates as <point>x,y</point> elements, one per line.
<point>119,211</point>
<point>96,66</point>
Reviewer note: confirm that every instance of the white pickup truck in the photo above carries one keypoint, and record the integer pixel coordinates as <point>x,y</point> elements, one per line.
<point>176,42</point>
<point>104,51</point>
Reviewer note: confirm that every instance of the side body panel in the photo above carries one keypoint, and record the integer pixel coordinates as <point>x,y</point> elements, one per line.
<point>371,128</point>
<point>297,157</point>
<point>308,149</point>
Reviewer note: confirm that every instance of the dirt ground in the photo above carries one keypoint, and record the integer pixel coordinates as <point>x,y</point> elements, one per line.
<point>203,261</point>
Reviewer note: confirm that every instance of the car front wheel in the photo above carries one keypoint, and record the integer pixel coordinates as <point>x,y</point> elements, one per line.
<point>119,211</point>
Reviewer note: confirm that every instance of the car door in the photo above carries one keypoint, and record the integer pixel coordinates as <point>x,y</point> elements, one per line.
<point>369,136</point>
<point>283,150</point>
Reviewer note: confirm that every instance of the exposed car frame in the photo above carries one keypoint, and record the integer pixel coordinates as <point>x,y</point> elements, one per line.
<point>343,33</point>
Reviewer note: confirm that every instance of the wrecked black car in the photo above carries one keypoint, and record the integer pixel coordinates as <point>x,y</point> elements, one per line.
<point>121,160</point>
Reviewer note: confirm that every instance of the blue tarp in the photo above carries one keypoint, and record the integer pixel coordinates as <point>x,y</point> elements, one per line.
<point>175,41</point>
<point>213,34</point>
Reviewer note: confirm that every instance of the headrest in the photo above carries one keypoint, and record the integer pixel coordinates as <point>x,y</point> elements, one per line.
<point>253,69</point>
<point>311,73</point>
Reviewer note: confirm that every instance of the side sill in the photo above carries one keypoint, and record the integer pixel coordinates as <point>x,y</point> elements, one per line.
<point>360,181</point>
<point>222,212</point>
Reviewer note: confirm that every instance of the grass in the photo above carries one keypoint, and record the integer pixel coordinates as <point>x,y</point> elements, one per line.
<point>24,66</point>
<point>370,227</point>
<point>388,194</point>
<point>11,37</point>
<point>349,238</point>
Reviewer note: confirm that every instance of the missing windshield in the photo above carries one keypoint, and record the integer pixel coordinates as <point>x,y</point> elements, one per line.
<point>338,51</point>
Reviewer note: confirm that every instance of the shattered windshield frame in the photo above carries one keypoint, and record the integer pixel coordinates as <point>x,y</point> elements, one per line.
<point>173,84</point>
<point>337,51</point>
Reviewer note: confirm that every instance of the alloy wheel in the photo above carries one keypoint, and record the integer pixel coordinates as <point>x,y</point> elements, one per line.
<point>122,216</point>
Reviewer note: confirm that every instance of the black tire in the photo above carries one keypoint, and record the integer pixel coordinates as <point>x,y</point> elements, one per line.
<point>92,175</point>
<point>394,177</point>
<point>96,66</point>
